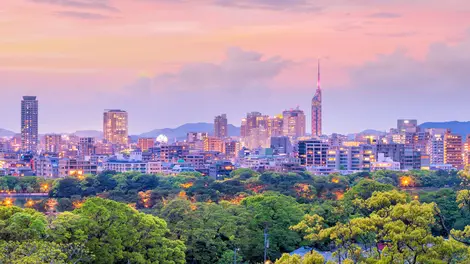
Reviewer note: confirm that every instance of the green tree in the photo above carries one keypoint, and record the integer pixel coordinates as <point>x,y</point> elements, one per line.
<point>276,213</point>
<point>118,233</point>
<point>31,252</point>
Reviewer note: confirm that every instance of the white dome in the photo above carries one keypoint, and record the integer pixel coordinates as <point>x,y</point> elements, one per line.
<point>162,139</point>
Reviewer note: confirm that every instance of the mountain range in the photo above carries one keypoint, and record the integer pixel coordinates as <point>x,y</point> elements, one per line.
<point>181,131</point>
<point>457,127</point>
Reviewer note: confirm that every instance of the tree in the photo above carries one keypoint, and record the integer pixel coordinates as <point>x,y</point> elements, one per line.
<point>276,213</point>
<point>67,187</point>
<point>118,233</point>
<point>312,257</point>
<point>18,224</point>
<point>31,252</point>
<point>209,230</point>
<point>405,229</point>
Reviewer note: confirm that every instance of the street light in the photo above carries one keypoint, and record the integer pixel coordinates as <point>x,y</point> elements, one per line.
<point>235,255</point>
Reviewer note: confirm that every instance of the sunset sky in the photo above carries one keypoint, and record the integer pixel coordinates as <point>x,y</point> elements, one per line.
<point>169,62</point>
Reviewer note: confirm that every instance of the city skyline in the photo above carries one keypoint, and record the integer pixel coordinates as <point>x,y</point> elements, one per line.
<point>82,59</point>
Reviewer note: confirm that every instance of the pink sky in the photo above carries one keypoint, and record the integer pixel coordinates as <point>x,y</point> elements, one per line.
<point>81,56</point>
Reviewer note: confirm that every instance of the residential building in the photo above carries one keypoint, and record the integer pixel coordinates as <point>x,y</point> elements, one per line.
<point>145,143</point>
<point>453,150</point>
<point>122,166</point>
<point>221,126</point>
<point>86,147</point>
<point>70,167</point>
<point>385,163</point>
<point>221,169</point>
<point>213,144</point>
<point>115,127</point>
<point>435,149</point>
<point>53,143</point>
<point>46,166</point>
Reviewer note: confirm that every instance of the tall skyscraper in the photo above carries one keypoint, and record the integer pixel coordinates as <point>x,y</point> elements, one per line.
<point>317,109</point>
<point>115,127</point>
<point>255,130</point>
<point>220,126</point>
<point>275,124</point>
<point>294,123</point>
<point>29,124</point>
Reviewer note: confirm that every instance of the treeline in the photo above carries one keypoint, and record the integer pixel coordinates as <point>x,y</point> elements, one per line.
<point>353,216</point>
<point>215,218</point>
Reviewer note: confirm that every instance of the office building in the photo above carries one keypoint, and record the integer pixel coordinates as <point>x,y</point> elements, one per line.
<point>221,126</point>
<point>213,144</point>
<point>293,123</point>
<point>86,147</point>
<point>115,127</point>
<point>53,143</point>
<point>453,150</point>
<point>145,143</point>
<point>255,130</point>
<point>29,124</point>
<point>317,109</point>
<point>313,152</point>
<point>275,126</point>
<point>351,158</point>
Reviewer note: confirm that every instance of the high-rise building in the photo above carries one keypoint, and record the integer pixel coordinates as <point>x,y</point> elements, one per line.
<point>145,143</point>
<point>255,130</point>
<point>53,143</point>
<point>115,127</point>
<point>293,123</point>
<point>453,150</point>
<point>86,146</point>
<point>317,109</point>
<point>275,126</point>
<point>221,126</point>
<point>29,124</point>
<point>435,149</point>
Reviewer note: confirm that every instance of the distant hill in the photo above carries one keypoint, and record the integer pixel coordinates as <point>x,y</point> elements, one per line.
<point>457,127</point>
<point>181,131</point>
<point>89,133</point>
<point>6,133</point>
<point>372,132</point>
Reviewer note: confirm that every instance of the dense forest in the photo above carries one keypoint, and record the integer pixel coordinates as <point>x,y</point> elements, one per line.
<point>381,217</point>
